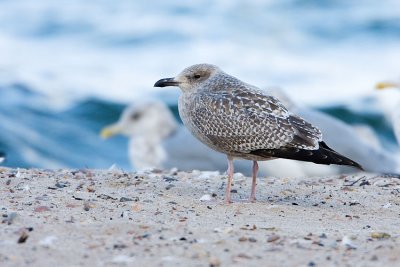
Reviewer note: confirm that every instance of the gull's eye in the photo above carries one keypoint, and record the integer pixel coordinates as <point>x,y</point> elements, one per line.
<point>135,116</point>
<point>197,76</point>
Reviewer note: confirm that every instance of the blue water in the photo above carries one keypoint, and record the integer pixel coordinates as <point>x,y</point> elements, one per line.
<point>68,68</point>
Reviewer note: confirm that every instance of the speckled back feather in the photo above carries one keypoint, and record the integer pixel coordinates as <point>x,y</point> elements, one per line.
<point>240,119</point>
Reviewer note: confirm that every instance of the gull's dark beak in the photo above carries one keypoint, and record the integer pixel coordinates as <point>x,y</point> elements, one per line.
<point>166,82</point>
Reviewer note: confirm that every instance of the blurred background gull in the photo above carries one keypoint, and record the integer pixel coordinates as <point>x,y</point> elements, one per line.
<point>68,68</point>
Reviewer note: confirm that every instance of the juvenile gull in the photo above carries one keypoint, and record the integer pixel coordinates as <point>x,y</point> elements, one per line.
<point>239,120</point>
<point>157,140</point>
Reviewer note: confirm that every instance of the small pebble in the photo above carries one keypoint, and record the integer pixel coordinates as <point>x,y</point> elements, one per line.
<point>86,206</point>
<point>23,237</point>
<point>380,235</point>
<point>206,197</point>
<point>374,258</point>
<point>47,241</point>
<point>126,199</point>
<point>348,243</point>
<point>273,238</point>
<point>168,187</point>
<point>10,218</point>
<point>323,235</point>
<point>42,209</point>
<point>243,239</point>
<point>214,262</point>
<point>105,197</point>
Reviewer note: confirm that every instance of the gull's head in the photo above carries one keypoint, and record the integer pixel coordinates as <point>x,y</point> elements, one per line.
<point>144,119</point>
<point>190,78</point>
<point>385,85</point>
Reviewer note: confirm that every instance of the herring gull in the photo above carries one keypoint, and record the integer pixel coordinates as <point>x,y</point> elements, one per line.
<point>366,152</point>
<point>394,109</point>
<point>157,140</point>
<point>240,121</point>
<point>2,157</point>
<point>153,147</point>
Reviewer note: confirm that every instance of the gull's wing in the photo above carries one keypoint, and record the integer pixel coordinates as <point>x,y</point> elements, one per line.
<point>243,120</point>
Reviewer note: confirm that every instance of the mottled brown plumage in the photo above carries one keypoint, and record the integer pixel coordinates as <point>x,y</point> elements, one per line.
<point>239,120</point>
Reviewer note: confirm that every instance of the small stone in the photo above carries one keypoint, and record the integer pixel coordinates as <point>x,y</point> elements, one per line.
<point>9,218</point>
<point>61,184</point>
<point>170,179</point>
<point>206,197</point>
<point>243,256</point>
<point>214,262</point>
<point>86,206</point>
<point>380,235</point>
<point>348,243</point>
<point>168,187</point>
<point>243,239</point>
<point>106,197</point>
<point>323,235</point>
<point>48,241</point>
<point>311,263</point>
<point>42,209</point>
<point>119,246</point>
<point>252,239</point>
<point>127,199</point>
<point>23,237</point>
<point>374,258</point>
<point>273,238</point>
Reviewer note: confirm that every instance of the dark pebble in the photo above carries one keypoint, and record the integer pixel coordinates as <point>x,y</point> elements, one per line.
<point>234,191</point>
<point>311,263</point>
<point>119,246</point>
<point>86,206</point>
<point>365,183</point>
<point>168,187</point>
<point>106,197</point>
<point>126,199</point>
<point>170,179</point>
<point>61,184</point>
<point>22,239</point>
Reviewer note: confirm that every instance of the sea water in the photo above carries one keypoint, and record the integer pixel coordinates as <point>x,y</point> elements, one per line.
<point>67,68</point>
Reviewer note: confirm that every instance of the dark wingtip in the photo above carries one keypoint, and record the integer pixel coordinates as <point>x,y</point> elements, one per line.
<point>323,155</point>
<point>358,166</point>
<point>342,159</point>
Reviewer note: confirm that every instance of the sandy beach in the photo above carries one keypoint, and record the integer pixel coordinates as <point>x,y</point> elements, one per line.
<point>170,218</point>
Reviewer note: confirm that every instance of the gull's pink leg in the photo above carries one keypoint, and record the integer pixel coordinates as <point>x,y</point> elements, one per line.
<point>253,183</point>
<point>230,179</point>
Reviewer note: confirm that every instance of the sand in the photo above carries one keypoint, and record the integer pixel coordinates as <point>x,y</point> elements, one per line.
<point>170,218</point>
